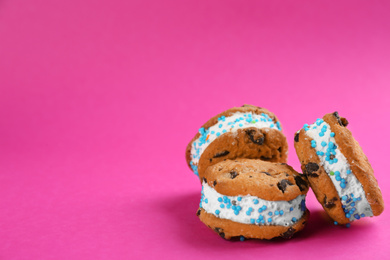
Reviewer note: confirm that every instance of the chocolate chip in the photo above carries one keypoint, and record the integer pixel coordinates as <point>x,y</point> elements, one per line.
<point>331,156</point>
<point>341,120</point>
<point>282,185</point>
<point>220,154</point>
<point>211,160</point>
<point>215,183</point>
<point>198,212</point>
<point>296,137</point>
<point>233,174</point>
<point>220,232</point>
<point>234,202</point>
<point>311,168</point>
<point>267,173</point>
<point>265,158</point>
<point>282,163</point>
<point>280,149</point>
<point>329,203</point>
<point>302,184</point>
<point>255,136</point>
<point>204,179</point>
<point>250,176</point>
<point>344,121</point>
<point>288,234</point>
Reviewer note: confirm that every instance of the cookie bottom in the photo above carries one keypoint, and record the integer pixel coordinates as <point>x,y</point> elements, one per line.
<point>228,229</point>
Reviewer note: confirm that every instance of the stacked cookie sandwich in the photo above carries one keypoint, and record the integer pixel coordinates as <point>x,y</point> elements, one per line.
<point>247,189</point>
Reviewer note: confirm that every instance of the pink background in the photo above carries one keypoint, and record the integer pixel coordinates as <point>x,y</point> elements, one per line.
<point>98,100</point>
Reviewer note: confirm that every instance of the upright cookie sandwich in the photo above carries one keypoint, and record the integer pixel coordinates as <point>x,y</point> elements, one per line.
<point>254,199</point>
<point>338,170</point>
<point>240,132</point>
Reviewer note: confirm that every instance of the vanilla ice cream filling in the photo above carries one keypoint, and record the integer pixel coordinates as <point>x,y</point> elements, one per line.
<point>251,209</point>
<point>349,189</point>
<point>229,124</point>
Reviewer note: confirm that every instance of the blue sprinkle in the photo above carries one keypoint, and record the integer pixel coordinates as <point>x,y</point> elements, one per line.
<point>220,199</point>
<point>238,208</point>
<point>338,178</point>
<point>313,145</point>
<point>234,207</point>
<point>342,185</point>
<point>264,207</point>
<point>344,197</point>
<point>260,210</point>
<point>236,212</point>
<point>223,131</point>
<point>239,198</point>
<point>281,212</point>
<point>217,212</point>
<point>270,213</point>
<point>348,215</point>
<point>291,209</point>
<point>261,217</point>
<point>242,238</point>
<point>294,219</point>
<point>258,220</point>
<point>240,125</point>
<point>206,201</point>
<point>222,206</point>
<point>276,212</point>
<point>327,158</point>
<point>356,216</point>
<point>330,161</point>
<point>331,145</point>
<point>321,134</point>
<point>228,206</point>
<point>335,160</point>
<point>323,144</point>
<point>212,132</point>
<point>332,134</point>
<point>269,219</point>
<point>262,221</point>
<point>335,223</point>
<point>252,221</point>
<point>255,201</point>
<point>362,215</point>
<point>348,225</point>
<point>337,173</point>
<point>218,134</point>
<point>349,171</point>
<point>220,126</point>
<point>248,213</point>
<point>250,209</point>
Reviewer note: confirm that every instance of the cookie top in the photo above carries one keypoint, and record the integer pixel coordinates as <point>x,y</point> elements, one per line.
<point>214,120</point>
<point>266,180</point>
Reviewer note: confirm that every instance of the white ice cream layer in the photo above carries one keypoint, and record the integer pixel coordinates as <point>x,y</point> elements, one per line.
<point>229,125</point>
<point>348,187</point>
<point>251,209</point>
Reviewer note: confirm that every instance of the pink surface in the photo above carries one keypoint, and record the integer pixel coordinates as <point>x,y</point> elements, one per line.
<point>98,100</point>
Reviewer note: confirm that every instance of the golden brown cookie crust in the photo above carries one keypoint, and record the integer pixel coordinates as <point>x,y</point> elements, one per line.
<point>319,180</point>
<point>229,229</point>
<point>266,180</point>
<point>239,145</point>
<point>358,161</point>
